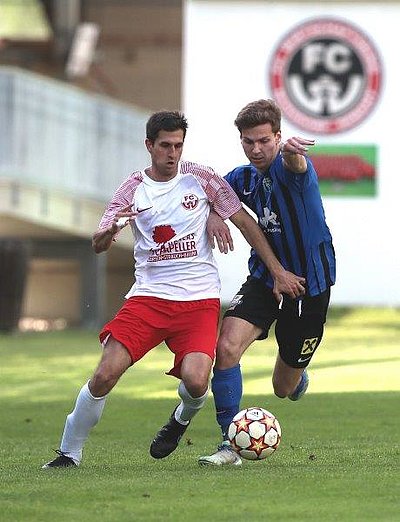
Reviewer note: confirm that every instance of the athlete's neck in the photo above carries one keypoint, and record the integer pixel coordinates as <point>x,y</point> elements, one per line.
<point>157,175</point>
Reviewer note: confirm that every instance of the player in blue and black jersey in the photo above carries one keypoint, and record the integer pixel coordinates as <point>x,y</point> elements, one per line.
<point>280,186</point>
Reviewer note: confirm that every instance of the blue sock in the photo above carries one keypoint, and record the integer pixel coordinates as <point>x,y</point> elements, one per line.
<point>226,386</point>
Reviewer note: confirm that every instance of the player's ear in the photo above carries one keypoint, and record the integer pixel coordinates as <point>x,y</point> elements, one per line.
<point>149,144</point>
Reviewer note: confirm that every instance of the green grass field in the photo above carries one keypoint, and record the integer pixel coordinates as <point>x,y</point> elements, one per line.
<point>362,188</point>
<point>338,460</point>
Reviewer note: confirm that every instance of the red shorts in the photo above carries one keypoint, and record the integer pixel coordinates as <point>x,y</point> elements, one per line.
<point>186,326</point>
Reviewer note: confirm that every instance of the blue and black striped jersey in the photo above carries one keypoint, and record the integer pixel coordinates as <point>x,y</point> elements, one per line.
<point>290,212</point>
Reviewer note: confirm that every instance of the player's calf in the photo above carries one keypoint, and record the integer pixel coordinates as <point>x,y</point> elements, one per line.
<point>301,387</point>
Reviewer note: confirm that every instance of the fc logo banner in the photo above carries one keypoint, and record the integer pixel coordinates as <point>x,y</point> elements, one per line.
<point>326,76</point>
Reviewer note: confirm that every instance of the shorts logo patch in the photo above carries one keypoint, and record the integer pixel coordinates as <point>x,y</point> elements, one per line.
<point>309,346</point>
<point>237,300</point>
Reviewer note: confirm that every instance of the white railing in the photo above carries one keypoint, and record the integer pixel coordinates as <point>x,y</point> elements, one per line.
<point>56,136</point>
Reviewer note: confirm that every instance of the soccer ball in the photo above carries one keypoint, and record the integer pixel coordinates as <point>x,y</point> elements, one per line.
<point>254,433</point>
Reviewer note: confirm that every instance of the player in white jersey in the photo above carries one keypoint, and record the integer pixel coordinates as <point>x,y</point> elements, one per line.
<point>173,259</point>
<point>175,297</point>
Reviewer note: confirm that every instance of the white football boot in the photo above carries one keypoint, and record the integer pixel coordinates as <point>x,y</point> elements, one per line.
<point>225,455</point>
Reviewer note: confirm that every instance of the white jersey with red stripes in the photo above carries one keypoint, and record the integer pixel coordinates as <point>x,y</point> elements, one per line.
<point>173,257</point>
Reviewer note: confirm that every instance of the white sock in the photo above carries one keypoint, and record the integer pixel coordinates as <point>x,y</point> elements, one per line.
<point>86,414</point>
<point>189,406</point>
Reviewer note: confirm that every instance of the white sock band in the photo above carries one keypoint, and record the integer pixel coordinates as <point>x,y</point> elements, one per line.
<point>85,415</point>
<point>189,406</point>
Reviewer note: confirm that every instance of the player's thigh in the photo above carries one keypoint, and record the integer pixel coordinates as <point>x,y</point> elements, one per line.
<point>299,329</point>
<point>256,304</point>
<point>140,325</point>
<point>249,317</point>
<point>115,360</point>
<point>115,357</point>
<point>193,329</point>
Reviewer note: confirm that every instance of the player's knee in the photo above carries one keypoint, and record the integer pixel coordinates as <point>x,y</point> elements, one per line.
<point>102,382</point>
<point>197,387</point>
<point>228,353</point>
<point>196,384</point>
<point>190,401</point>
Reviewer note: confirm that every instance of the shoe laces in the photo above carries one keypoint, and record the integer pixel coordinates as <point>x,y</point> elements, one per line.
<point>61,453</point>
<point>223,447</point>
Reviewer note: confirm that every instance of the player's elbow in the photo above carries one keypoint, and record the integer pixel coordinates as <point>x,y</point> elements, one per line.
<point>96,248</point>
<point>97,245</point>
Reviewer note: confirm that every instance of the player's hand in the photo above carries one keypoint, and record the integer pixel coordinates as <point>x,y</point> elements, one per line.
<point>290,284</point>
<point>296,145</point>
<point>122,218</point>
<point>218,230</point>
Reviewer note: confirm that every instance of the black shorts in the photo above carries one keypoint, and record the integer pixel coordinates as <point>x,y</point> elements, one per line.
<point>299,323</point>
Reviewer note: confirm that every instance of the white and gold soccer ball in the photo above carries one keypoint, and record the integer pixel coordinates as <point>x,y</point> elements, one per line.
<point>254,433</point>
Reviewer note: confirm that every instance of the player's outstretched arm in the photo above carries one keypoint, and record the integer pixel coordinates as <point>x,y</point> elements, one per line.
<point>218,230</point>
<point>102,239</point>
<point>293,153</point>
<point>284,281</point>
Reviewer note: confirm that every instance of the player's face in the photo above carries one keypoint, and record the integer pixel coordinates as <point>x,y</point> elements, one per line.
<point>261,145</point>
<point>165,152</point>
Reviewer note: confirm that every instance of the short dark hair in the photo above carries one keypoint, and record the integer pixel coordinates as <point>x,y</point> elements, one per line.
<point>258,113</point>
<point>165,120</point>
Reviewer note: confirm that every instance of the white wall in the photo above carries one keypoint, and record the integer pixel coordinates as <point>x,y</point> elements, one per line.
<point>227,50</point>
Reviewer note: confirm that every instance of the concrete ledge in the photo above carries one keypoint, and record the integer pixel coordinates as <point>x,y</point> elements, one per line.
<point>53,210</point>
